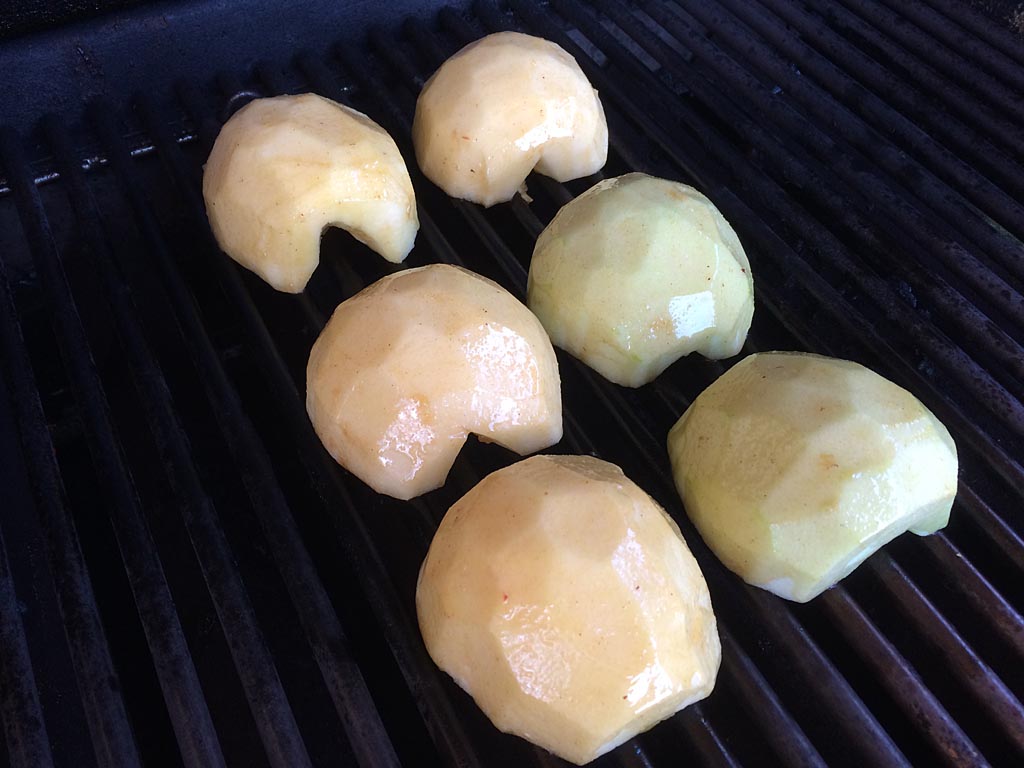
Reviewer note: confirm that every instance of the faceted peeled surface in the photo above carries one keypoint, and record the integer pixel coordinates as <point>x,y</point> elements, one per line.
<point>795,468</point>
<point>638,272</point>
<point>501,107</point>
<point>284,169</point>
<point>408,367</point>
<point>564,600</point>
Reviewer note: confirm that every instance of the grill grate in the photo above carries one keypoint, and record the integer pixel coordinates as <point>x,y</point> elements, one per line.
<point>186,577</point>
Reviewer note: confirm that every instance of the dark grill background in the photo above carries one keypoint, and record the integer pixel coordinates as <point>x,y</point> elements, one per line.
<point>187,578</point>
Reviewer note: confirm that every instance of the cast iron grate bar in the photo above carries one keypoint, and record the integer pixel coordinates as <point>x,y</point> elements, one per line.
<point>196,736</point>
<point>990,60</point>
<point>344,679</point>
<point>803,175</point>
<point>275,721</point>
<point>1012,355</point>
<point>911,694</point>
<point>24,728</point>
<point>982,27</point>
<point>444,251</point>
<point>74,594</point>
<point>765,707</point>
<point>865,124</point>
<point>441,247</point>
<point>113,740</point>
<point>855,41</point>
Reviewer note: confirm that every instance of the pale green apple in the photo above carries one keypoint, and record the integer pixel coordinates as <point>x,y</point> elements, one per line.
<point>795,468</point>
<point>637,272</point>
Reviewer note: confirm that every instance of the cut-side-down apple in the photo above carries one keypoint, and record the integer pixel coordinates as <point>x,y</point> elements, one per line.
<point>284,169</point>
<point>564,600</point>
<point>795,468</point>
<point>637,272</point>
<point>408,367</point>
<point>501,107</point>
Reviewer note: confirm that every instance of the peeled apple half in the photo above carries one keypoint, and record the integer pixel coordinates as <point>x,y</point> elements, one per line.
<point>284,169</point>
<point>408,367</point>
<point>564,600</point>
<point>501,107</point>
<point>795,468</point>
<point>637,272</point>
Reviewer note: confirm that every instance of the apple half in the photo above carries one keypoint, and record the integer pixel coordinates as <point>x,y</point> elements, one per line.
<point>795,468</point>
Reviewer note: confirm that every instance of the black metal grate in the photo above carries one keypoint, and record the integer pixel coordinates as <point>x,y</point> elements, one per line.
<point>187,578</point>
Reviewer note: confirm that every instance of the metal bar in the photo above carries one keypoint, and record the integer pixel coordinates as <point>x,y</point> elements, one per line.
<point>664,52</point>
<point>805,254</point>
<point>179,682</point>
<point>274,719</point>
<point>978,129</point>
<point>761,703</point>
<point>959,69</point>
<point>891,89</point>
<point>317,74</point>
<point>98,685</point>
<point>589,31</point>
<point>902,683</point>
<point>703,734</point>
<point>35,517</point>
<point>826,244</point>
<point>995,528</point>
<point>1002,618</point>
<point>345,683</point>
<point>969,18</point>
<point>28,745</point>
<point>792,216</point>
<point>992,72</point>
<point>948,185</point>
<point>986,689</point>
<point>398,121</point>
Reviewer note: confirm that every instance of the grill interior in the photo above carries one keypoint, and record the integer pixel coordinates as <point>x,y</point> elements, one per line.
<point>186,577</point>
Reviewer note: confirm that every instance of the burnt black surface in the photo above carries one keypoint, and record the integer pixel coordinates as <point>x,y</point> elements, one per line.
<point>187,578</point>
